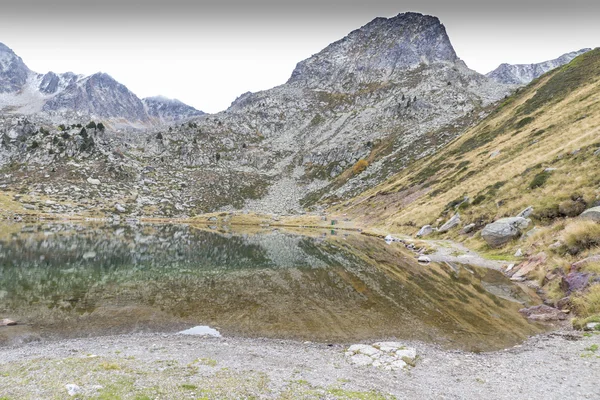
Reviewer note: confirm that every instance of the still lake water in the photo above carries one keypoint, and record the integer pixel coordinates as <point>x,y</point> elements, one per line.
<point>74,280</point>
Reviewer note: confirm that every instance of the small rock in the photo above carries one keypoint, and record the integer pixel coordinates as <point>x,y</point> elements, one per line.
<point>73,389</point>
<point>7,322</point>
<point>89,255</point>
<point>582,263</point>
<point>494,153</point>
<point>519,253</point>
<point>577,281</point>
<point>425,230</point>
<point>408,352</point>
<point>591,214</point>
<point>29,206</point>
<point>469,228</point>
<point>361,360</point>
<point>424,259</point>
<point>452,223</point>
<point>525,213</point>
<point>543,313</point>
<point>93,181</point>
<point>592,326</point>
<point>120,208</point>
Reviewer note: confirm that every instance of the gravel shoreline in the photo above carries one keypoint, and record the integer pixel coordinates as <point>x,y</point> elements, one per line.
<point>556,365</point>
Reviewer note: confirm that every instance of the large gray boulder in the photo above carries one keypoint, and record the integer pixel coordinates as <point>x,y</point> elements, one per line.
<point>451,223</point>
<point>504,230</point>
<point>591,214</point>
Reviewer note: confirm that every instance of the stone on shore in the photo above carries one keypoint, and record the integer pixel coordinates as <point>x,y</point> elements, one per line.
<point>384,355</point>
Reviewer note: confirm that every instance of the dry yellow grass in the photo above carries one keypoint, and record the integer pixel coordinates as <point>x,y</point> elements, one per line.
<point>497,174</point>
<point>587,304</point>
<point>581,235</point>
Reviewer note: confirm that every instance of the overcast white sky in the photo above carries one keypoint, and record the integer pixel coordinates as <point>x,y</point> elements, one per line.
<point>206,53</point>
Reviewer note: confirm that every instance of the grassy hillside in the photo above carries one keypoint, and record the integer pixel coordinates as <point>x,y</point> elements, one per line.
<point>540,148</point>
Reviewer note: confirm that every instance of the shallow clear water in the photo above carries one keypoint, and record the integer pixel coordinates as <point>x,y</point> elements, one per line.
<point>71,280</point>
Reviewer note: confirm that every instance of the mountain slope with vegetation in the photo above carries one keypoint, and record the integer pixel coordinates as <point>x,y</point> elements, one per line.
<point>540,148</point>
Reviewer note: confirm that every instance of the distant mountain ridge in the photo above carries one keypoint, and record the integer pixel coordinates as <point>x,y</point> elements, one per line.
<point>522,74</point>
<point>70,96</point>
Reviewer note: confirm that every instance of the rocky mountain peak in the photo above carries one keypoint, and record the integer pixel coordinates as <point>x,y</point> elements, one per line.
<point>522,74</point>
<point>378,51</point>
<point>13,71</point>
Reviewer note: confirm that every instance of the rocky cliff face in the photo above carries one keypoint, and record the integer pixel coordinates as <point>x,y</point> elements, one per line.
<point>382,50</point>
<point>13,71</point>
<point>522,74</point>
<point>76,98</point>
<point>390,92</point>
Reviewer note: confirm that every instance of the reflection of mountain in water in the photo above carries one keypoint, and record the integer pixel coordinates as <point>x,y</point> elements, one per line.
<point>79,280</point>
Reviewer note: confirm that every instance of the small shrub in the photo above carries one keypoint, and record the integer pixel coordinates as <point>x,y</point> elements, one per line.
<point>539,180</point>
<point>587,304</point>
<point>570,208</point>
<point>581,235</point>
<point>91,125</point>
<point>360,166</point>
<point>524,122</point>
<point>478,199</point>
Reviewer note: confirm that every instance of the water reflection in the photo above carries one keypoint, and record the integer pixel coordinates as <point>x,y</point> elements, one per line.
<point>65,280</point>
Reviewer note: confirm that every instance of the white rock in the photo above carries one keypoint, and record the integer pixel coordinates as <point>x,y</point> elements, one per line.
<point>510,267</point>
<point>398,364</point>
<point>519,253</point>
<point>73,389</point>
<point>361,360</point>
<point>424,259</point>
<point>408,352</point>
<point>355,348</point>
<point>388,346</point>
<point>89,254</point>
<point>201,331</point>
<point>120,208</point>
<point>93,181</point>
<point>592,326</point>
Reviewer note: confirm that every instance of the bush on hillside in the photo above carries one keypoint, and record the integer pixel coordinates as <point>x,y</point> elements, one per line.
<point>360,166</point>
<point>581,235</point>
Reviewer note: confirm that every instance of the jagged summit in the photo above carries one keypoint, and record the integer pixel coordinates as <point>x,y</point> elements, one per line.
<point>378,51</point>
<point>522,74</point>
<point>69,96</point>
<point>13,71</point>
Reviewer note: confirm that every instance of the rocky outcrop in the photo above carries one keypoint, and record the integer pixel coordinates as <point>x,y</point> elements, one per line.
<point>504,230</point>
<point>522,74</point>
